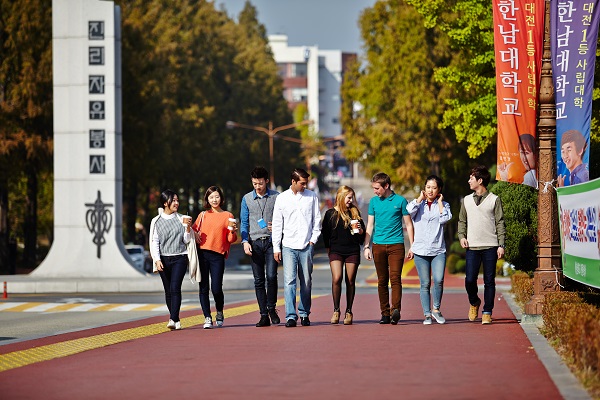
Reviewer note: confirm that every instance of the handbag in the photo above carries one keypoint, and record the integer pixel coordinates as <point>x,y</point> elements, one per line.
<point>197,227</point>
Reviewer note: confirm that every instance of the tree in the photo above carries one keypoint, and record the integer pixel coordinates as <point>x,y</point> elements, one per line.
<point>25,114</point>
<point>191,69</point>
<point>392,107</point>
<point>471,112</point>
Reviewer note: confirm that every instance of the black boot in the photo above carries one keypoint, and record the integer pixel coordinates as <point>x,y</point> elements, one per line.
<point>274,316</point>
<point>264,321</point>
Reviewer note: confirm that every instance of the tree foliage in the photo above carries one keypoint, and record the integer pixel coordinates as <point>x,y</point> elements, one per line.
<point>187,68</point>
<point>470,77</point>
<point>200,69</point>
<point>392,106</point>
<point>25,118</point>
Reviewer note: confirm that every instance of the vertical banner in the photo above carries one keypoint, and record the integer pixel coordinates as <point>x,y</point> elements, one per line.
<point>578,208</point>
<point>518,46</point>
<point>573,33</point>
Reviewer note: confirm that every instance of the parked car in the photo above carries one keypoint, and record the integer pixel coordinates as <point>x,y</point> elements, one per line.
<point>140,257</point>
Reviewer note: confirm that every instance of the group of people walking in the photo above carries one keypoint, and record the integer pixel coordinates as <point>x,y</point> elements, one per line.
<point>284,227</point>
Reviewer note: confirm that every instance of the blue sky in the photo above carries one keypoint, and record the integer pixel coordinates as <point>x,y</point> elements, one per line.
<point>328,24</point>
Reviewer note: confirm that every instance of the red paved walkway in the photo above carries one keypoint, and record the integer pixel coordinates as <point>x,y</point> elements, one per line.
<point>459,360</point>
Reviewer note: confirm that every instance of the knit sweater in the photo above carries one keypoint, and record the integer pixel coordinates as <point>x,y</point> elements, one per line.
<point>213,232</point>
<point>481,227</point>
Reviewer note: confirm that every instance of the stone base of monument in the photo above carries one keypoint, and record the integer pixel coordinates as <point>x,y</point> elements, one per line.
<point>73,255</point>
<point>22,284</point>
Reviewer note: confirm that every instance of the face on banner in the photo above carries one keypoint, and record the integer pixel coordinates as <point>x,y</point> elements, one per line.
<point>572,169</point>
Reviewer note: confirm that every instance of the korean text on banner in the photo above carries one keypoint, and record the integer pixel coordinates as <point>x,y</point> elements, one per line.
<point>578,208</point>
<point>518,46</point>
<point>573,33</point>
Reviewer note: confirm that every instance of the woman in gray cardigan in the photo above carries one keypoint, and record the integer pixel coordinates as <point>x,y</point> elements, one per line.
<point>169,235</point>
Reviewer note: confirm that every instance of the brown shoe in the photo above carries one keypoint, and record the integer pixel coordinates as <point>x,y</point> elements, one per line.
<point>336,317</point>
<point>474,311</point>
<point>348,318</point>
<point>486,319</point>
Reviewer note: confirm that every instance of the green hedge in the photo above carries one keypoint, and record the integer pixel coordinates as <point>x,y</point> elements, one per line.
<point>519,203</point>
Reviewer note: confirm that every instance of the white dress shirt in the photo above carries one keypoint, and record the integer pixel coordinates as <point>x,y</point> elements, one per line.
<point>296,220</point>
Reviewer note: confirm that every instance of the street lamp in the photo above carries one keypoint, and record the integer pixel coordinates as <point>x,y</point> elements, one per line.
<point>271,132</point>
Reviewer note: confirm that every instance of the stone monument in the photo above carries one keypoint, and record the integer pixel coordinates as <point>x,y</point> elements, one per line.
<point>88,179</point>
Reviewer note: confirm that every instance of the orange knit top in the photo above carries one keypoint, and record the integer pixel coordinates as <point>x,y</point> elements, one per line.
<point>214,234</point>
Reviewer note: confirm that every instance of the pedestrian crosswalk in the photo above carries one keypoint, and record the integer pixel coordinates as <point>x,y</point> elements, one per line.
<point>82,307</point>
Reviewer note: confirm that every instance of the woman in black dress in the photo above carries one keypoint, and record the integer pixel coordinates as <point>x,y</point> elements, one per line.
<point>343,232</point>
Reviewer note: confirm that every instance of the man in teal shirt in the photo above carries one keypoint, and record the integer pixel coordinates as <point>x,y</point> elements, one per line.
<point>387,219</point>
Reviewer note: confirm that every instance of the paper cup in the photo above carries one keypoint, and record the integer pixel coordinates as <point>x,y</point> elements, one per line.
<point>231,223</point>
<point>185,219</point>
<point>355,226</point>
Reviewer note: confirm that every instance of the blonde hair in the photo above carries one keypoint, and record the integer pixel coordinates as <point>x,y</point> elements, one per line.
<point>342,212</point>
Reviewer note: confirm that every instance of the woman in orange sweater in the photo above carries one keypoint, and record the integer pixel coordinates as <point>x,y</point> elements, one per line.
<point>215,231</point>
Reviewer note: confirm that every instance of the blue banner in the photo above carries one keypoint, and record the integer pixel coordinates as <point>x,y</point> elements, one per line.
<point>573,36</point>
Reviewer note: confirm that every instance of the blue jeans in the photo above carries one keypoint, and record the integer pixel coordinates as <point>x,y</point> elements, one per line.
<point>174,269</point>
<point>474,260</point>
<point>297,263</point>
<point>428,266</point>
<point>214,264</point>
<point>263,261</point>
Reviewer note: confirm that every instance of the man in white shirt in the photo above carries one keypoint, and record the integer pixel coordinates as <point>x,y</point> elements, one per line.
<point>296,228</point>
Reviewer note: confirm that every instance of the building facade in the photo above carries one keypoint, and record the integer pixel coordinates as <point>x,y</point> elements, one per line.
<point>313,77</point>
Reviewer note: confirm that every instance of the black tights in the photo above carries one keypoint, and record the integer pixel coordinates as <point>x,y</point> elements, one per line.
<point>337,269</point>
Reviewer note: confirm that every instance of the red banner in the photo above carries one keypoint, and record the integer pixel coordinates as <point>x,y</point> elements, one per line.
<point>518,41</point>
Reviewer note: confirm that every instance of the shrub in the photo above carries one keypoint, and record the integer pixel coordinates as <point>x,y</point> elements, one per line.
<point>456,248</point>
<point>522,287</point>
<point>519,203</point>
<point>572,326</point>
<point>460,265</point>
<point>451,262</point>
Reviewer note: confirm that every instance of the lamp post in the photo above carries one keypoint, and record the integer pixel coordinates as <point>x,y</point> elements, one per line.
<point>548,276</point>
<point>271,132</point>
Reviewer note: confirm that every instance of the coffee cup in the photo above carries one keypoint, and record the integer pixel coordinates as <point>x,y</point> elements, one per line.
<point>355,226</point>
<point>186,219</point>
<point>230,223</point>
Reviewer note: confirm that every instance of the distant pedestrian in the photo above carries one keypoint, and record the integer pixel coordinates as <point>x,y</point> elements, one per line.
<point>343,233</point>
<point>430,213</point>
<point>387,219</point>
<point>256,218</point>
<point>296,228</point>
<point>169,237</point>
<point>481,231</point>
<point>216,230</point>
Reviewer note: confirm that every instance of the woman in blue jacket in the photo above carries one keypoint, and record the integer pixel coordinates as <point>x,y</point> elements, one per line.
<point>429,214</point>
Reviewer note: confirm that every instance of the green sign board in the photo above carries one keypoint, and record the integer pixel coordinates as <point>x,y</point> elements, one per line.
<point>578,214</point>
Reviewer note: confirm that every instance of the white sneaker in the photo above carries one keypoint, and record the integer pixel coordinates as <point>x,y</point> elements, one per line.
<point>171,324</point>
<point>427,320</point>
<point>177,325</point>
<point>207,323</point>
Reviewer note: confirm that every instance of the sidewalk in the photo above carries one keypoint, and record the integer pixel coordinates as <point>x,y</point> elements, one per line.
<point>142,359</point>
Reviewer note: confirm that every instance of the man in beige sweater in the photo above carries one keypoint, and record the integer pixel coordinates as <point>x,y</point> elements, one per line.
<point>481,231</point>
